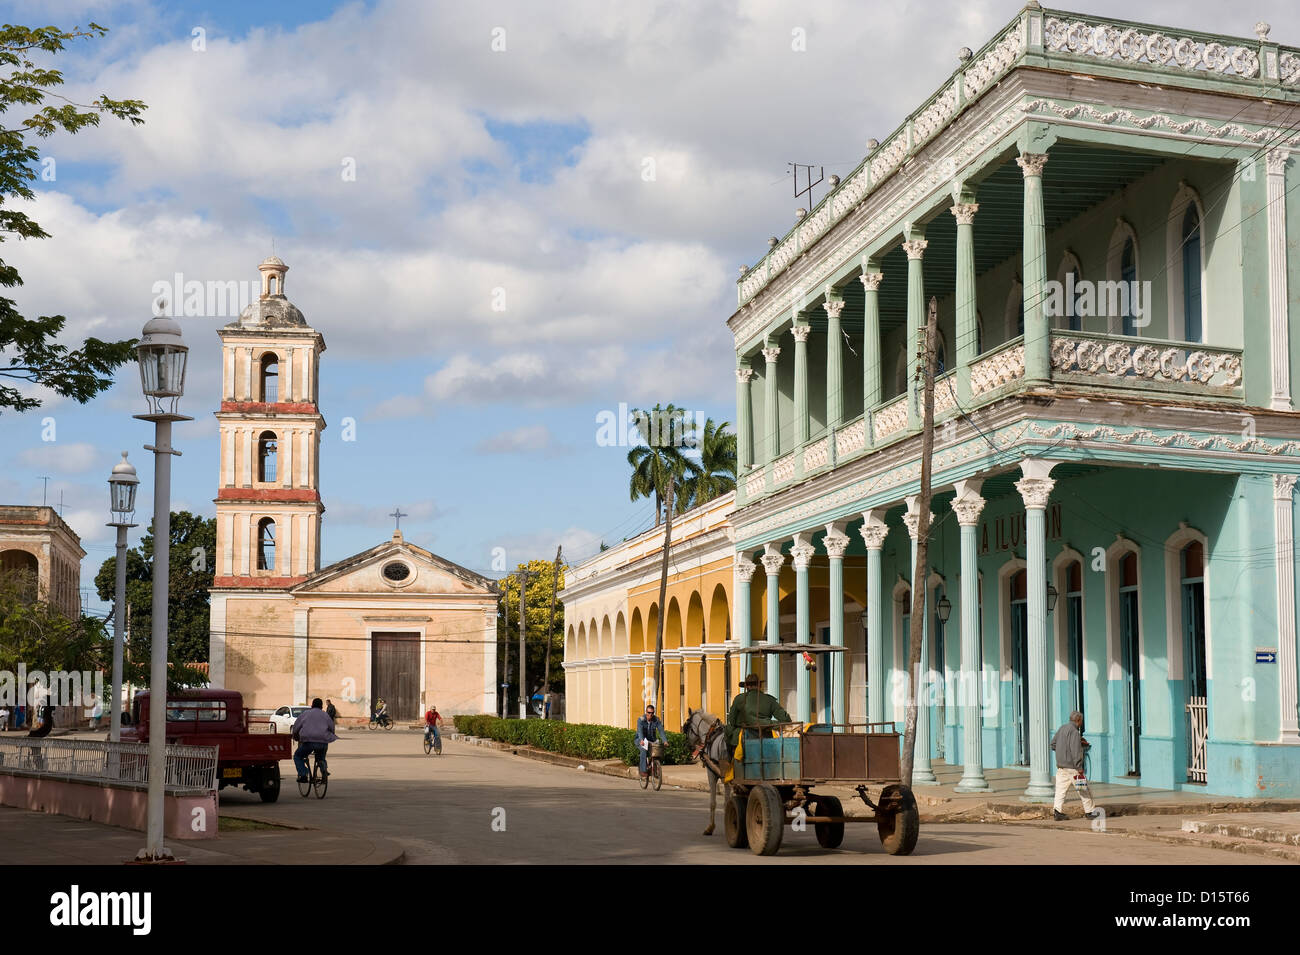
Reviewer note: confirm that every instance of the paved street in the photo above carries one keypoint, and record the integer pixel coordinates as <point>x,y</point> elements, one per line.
<point>440,809</point>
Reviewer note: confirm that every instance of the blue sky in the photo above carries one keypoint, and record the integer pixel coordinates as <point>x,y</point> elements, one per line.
<point>500,152</point>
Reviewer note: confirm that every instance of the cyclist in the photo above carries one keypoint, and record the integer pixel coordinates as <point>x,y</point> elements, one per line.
<point>647,728</point>
<point>314,731</point>
<point>431,721</point>
<point>381,712</point>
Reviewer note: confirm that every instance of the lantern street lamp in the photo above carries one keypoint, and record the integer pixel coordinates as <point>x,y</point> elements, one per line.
<point>944,609</point>
<point>1051,598</point>
<point>161,353</point>
<point>122,484</point>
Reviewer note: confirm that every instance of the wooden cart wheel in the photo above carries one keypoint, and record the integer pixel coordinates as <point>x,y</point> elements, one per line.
<point>829,834</point>
<point>898,820</point>
<point>764,820</point>
<point>733,822</point>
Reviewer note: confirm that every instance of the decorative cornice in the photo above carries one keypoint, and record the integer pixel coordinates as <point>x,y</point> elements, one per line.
<point>915,248</point>
<point>1197,129</point>
<point>871,280</point>
<point>1031,164</point>
<point>964,212</point>
<point>801,333</point>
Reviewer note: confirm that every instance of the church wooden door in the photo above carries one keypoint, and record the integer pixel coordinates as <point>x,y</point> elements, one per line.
<point>395,673</point>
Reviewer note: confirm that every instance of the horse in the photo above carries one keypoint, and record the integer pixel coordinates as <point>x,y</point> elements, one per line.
<point>707,737</point>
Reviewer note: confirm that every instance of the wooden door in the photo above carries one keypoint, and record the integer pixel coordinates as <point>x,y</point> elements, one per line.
<point>395,673</point>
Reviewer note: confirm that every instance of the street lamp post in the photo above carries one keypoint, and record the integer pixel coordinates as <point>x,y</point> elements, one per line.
<point>162,353</point>
<point>122,484</point>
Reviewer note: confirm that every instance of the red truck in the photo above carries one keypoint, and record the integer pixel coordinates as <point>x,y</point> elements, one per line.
<point>218,718</point>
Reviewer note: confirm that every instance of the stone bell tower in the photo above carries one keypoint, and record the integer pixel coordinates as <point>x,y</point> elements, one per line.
<point>268,489</point>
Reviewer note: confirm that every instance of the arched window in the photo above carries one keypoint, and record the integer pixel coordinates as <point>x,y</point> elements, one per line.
<point>1191,274</point>
<point>979,334</point>
<point>1192,578</point>
<point>266,544</point>
<point>270,376</point>
<point>1074,632</point>
<point>1015,314</point>
<point>1070,277</point>
<point>1019,606</point>
<point>1128,275</point>
<point>1130,661</point>
<point>271,284</point>
<point>266,453</point>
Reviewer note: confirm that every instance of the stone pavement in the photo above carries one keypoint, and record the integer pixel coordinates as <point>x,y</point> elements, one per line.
<point>39,838</point>
<point>1268,827</point>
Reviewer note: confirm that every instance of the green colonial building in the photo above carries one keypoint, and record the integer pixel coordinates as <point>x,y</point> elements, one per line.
<point>1106,217</point>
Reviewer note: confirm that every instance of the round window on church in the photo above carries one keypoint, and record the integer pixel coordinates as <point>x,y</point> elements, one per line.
<point>396,572</point>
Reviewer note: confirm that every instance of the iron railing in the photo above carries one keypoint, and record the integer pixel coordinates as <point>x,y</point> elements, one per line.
<point>1198,733</point>
<point>189,769</point>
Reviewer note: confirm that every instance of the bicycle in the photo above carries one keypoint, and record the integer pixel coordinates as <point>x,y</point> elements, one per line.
<point>432,744</point>
<point>318,779</point>
<point>654,766</point>
<point>385,721</point>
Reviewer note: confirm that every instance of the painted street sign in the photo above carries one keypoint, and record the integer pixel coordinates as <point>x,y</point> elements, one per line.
<point>1266,655</point>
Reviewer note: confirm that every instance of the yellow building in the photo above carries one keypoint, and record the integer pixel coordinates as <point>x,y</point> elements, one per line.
<point>37,540</point>
<point>611,609</point>
<point>395,622</point>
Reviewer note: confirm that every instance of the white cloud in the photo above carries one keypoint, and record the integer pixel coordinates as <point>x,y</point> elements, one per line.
<point>64,458</point>
<point>535,440</point>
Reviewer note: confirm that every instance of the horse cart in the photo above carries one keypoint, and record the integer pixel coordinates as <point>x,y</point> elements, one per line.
<point>782,763</point>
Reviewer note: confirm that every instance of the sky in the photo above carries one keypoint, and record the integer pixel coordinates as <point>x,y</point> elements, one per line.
<point>504,219</point>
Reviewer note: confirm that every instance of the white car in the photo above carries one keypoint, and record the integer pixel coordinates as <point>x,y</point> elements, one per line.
<point>282,720</point>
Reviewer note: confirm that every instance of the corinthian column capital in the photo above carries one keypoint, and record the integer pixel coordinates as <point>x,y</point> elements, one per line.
<point>771,354</point>
<point>801,333</point>
<point>745,568</point>
<point>773,560</point>
<point>1276,159</point>
<point>915,248</point>
<point>1031,164</point>
<point>871,280</point>
<point>964,212</point>
<point>1035,491</point>
<point>744,375</point>
<point>833,307</point>
<point>1283,486</point>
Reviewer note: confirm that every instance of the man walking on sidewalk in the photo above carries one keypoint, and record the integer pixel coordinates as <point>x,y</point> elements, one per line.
<point>1068,744</point>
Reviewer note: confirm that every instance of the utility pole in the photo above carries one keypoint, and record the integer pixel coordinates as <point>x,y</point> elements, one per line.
<point>504,641</point>
<point>663,594</point>
<point>919,581</point>
<point>550,633</point>
<point>523,626</point>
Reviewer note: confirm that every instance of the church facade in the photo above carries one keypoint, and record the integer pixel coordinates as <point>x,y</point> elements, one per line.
<point>395,622</point>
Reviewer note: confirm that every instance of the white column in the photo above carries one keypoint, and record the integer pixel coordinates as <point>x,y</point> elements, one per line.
<point>302,470</point>
<point>304,553</point>
<point>245,526</point>
<point>1277,285</point>
<point>228,551</point>
<point>922,774</point>
<point>967,506</point>
<point>227,457</point>
<point>248,457</point>
<point>772,560</point>
<point>1284,538</point>
<point>801,555</point>
<point>874,530</point>
<point>836,543</point>
<point>228,389</point>
<point>248,374</point>
<point>288,374</point>
<point>300,656</point>
<point>286,452</point>
<point>1035,487</point>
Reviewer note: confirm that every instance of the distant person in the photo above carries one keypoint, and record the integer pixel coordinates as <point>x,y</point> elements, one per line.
<point>431,721</point>
<point>330,711</point>
<point>1069,745</point>
<point>96,713</point>
<point>313,730</point>
<point>649,729</point>
<point>4,719</point>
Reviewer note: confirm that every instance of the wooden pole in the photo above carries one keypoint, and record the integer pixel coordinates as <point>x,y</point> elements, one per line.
<point>919,575</point>
<point>550,631</point>
<point>663,593</point>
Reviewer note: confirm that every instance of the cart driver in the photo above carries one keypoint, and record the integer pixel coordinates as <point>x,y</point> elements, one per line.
<point>751,707</point>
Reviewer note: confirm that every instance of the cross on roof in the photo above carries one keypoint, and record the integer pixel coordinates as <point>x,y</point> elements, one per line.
<point>398,515</point>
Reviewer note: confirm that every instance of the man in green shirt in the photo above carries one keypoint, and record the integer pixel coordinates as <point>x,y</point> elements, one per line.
<point>751,707</point>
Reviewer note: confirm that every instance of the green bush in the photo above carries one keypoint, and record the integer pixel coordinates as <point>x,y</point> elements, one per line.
<point>583,740</point>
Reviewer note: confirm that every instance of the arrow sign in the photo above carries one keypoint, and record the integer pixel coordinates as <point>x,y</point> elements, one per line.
<point>1266,656</point>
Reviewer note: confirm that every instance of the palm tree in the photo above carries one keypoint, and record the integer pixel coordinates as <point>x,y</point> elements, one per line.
<point>715,474</point>
<point>659,458</point>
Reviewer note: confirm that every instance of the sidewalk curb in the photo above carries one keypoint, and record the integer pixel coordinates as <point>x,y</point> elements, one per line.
<point>1269,850</point>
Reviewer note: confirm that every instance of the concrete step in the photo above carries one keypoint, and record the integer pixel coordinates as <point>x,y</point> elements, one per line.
<point>1254,831</point>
